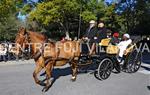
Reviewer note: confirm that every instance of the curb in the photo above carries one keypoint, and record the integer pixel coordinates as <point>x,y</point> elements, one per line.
<point>19,62</point>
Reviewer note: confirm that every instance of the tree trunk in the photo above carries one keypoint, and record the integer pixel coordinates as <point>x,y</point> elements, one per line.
<point>67,35</point>
<point>66,31</point>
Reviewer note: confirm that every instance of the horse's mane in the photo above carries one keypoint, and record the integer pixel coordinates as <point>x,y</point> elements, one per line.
<point>38,34</point>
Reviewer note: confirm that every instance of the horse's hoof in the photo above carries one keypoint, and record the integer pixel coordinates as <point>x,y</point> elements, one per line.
<point>45,89</point>
<point>73,79</point>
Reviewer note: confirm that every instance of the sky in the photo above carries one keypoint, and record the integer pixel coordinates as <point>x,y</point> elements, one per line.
<point>35,0</point>
<point>32,0</point>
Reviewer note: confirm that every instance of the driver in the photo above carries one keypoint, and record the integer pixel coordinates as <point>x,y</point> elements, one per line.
<point>91,31</point>
<point>89,36</point>
<point>100,34</point>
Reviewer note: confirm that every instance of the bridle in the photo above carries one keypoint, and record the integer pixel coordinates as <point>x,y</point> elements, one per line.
<point>24,42</point>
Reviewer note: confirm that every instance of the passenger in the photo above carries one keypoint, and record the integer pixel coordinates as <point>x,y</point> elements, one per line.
<point>115,39</point>
<point>101,34</point>
<point>109,33</point>
<point>123,46</point>
<point>102,31</point>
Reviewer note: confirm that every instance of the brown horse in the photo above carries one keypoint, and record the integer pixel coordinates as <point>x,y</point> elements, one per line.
<point>48,54</point>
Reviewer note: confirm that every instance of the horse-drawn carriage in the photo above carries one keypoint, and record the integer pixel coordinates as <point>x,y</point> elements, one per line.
<point>52,54</point>
<point>106,61</point>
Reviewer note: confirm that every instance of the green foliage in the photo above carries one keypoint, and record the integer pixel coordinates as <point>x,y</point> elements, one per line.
<point>8,21</point>
<point>58,17</point>
<point>87,16</point>
<point>54,11</point>
<point>135,16</point>
<point>8,29</point>
<point>6,7</point>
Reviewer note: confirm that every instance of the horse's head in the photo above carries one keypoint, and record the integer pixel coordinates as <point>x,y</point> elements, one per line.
<point>21,39</point>
<point>21,36</point>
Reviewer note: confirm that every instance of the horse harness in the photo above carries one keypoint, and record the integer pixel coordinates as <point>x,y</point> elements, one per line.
<point>28,50</point>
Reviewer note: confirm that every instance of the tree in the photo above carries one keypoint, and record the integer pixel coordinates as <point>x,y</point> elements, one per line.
<point>142,9</point>
<point>135,14</point>
<point>61,12</point>
<point>8,21</point>
<point>7,7</point>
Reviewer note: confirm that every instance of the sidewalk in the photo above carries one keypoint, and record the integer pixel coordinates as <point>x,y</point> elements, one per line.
<point>17,62</point>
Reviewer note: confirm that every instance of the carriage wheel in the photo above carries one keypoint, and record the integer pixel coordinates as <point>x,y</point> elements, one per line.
<point>104,69</point>
<point>116,68</point>
<point>134,61</point>
<point>96,75</point>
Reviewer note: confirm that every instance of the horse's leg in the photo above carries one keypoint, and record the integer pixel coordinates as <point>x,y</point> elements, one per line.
<point>35,74</point>
<point>74,70</point>
<point>49,68</point>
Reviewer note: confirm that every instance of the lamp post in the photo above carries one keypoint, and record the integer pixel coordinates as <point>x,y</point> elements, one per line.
<point>79,29</point>
<point>80,19</point>
<point>97,15</point>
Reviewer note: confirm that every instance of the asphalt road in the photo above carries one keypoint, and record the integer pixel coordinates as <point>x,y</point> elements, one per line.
<point>17,80</point>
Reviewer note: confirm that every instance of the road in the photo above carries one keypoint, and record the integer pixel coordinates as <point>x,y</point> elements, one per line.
<point>16,79</point>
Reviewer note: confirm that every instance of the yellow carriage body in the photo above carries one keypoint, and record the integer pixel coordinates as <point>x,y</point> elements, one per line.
<point>113,49</point>
<point>105,42</point>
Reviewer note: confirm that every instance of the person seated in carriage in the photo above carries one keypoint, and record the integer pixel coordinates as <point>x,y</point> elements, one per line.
<point>126,41</point>
<point>89,36</point>
<point>101,34</point>
<point>91,31</point>
<point>95,34</point>
<point>115,38</point>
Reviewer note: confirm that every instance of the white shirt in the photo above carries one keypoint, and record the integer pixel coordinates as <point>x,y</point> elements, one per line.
<point>123,45</point>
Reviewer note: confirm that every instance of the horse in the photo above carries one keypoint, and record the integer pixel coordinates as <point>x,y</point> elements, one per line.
<point>49,54</point>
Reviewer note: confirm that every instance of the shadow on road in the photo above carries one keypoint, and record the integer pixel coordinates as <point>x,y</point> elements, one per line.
<point>61,72</point>
<point>58,72</point>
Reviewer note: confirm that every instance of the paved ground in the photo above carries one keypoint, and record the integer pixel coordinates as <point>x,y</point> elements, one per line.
<point>17,80</point>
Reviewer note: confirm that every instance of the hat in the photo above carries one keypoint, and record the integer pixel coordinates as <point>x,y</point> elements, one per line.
<point>116,34</point>
<point>127,35</point>
<point>92,22</point>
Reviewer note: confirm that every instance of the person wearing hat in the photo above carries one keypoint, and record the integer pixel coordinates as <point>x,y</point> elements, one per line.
<point>115,38</point>
<point>89,36</point>
<point>102,31</point>
<point>123,45</point>
<point>91,31</point>
<point>100,34</point>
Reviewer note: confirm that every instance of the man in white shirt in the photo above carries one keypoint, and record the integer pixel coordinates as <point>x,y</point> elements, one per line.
<point>123,45</point>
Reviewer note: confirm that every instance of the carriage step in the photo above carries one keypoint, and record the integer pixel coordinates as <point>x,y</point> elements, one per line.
<point>94,56</point>
<point>84,64</point>
<point>86,71</point>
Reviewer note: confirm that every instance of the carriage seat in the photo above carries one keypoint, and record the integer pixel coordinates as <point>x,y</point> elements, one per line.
<point>105,42</point>
<point>129,49</point>
<point>112,49</point>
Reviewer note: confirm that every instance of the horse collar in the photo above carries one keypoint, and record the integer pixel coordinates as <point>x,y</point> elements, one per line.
<point>27,37</point>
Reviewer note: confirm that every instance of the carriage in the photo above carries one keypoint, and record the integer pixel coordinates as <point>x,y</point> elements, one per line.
<point>69,52</point>
<point>106,62</point>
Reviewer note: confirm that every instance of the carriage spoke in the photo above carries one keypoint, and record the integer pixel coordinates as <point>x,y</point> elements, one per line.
<point>104,69</point>
<point>134,62</point>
